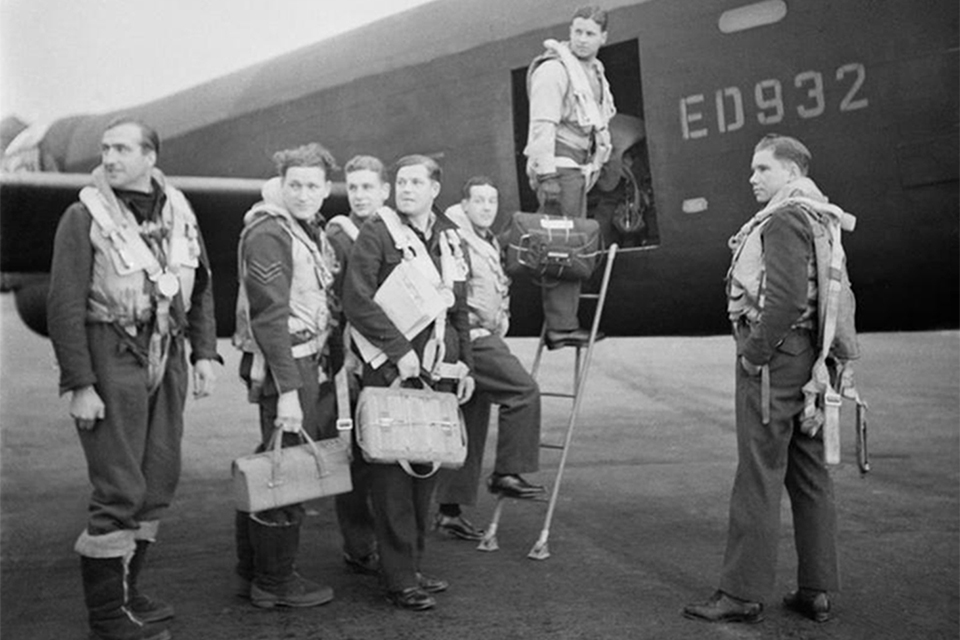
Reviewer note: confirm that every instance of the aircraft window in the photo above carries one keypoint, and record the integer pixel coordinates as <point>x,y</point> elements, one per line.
<point>753,15</point>
<point>623,200</point>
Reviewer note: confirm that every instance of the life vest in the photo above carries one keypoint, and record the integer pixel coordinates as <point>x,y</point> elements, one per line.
<point>586,116</point>
<point>417,295</point>
<point>488,287</point>
<point>314,266</point>
<point>130,284</point>
<point>831,300</point>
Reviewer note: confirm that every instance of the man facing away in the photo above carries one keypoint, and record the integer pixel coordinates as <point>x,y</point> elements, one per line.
<point>368,188</point>
<point>401,502</point>
<point>772,302</point>
<point>130,284</point>
<point>501,379</point>
<point>284,321</point>
<point>568,143</point>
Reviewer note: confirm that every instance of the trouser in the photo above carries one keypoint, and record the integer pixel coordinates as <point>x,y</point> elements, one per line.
<point>561,298</point>
<point>771,456</point>
<point>354,511</point>
<point>317,401</point>
<point>502,380</point>
<point>133,453</point>
<point>401,506</point>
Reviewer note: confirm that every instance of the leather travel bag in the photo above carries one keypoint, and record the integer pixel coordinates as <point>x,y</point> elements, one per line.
<point>411,426</point>
<point>281,476</point>
<point>552,246</point>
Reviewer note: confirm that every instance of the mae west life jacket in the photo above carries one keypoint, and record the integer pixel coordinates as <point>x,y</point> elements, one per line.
<point>591,114</point>
<point>416,295</point>
<point>123,263</point>
<point>488,287</point>
<point>831,376</point>
<point>314,266</point>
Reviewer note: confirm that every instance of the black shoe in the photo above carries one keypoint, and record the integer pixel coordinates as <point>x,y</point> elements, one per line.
<point>810,603</point>
<point>724,608</point>
<point>457,526</point>
<point>572,338</point>
<point>368,565</point>
<point>432,585</point>
<point>413,598</point>
<point>513,486</point>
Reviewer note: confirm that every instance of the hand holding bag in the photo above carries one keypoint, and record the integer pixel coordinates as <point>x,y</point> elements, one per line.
<point>409,426</point>
<point>552,246</point>
<point>281,476</point>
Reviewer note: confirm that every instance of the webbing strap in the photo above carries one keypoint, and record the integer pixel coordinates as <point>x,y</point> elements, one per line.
<point>341,382</point>
<point>832,400</point>
<point>765,394</point>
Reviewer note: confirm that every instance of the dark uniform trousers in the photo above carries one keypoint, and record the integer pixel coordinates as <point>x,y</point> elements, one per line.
<point>354,512</point>
<point>502,380</point>
<point>772,456</point>
<point>561,298</point>
<point>133,454</point>
<point>401,504</point>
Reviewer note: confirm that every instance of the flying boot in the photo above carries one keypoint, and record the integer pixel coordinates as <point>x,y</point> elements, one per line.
<point>106,586</point>
<point>145,608</point>
<point>275,579</point>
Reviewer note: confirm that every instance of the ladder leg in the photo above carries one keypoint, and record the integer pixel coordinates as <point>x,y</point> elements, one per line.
<point>540,550</point>
<point>535,369</point>
<point>489,540</point>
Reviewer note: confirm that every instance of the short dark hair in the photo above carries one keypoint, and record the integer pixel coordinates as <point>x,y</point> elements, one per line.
<point>367,163</point>
<point>308,155</point>
<point>433,167</point>
<point>149,138</point>
<point>477,181</point>
<point>592,12</point>
<point>786,148</point>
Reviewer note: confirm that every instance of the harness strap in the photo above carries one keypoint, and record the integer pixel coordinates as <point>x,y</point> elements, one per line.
<point>765,394</point>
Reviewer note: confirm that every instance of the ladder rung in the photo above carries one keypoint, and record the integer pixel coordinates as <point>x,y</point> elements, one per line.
<point>557,394</point>
<point>589,296</point>
<point>550,445</point>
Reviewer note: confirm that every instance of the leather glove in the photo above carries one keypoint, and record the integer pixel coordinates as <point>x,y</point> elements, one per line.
<point>549,187</point>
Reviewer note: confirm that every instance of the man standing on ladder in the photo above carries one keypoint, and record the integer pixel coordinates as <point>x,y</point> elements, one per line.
<point>568,143</point>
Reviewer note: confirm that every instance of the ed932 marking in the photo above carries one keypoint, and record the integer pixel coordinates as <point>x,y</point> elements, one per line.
<point>770,101</point>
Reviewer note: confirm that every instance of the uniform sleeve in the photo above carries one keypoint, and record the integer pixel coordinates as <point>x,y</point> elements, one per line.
<point>360,285</point>
<point>202,321</point>
<point>787,249</point>
<point>70,274</point>
<point>548,86</point>
<point>268,263</point>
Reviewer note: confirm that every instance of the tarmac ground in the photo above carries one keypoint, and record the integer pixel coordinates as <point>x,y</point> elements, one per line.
<point>638,531</point>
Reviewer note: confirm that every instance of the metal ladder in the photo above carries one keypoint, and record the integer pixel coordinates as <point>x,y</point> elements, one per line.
<point>540,550</point>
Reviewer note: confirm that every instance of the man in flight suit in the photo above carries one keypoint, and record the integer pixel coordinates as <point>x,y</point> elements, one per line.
<point>129,286</point>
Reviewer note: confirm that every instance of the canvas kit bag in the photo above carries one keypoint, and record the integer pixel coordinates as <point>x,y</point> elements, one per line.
<point>411,426</point>
<point>281,476</point>
<point>553,246</point>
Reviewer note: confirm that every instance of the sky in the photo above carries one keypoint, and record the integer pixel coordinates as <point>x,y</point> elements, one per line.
<point>67,57</point>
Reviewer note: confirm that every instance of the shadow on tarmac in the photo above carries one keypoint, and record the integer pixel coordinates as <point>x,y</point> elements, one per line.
<point>638,531</point>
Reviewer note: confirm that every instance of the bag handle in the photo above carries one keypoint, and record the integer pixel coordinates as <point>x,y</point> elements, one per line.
<point>435,466</point>
<point>276,445</point>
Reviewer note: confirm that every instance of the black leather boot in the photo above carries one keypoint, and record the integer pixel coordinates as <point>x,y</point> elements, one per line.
<point>144,607</point>
<point>275,580</point>
<point>105,590</point>
<point>244,569</point>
